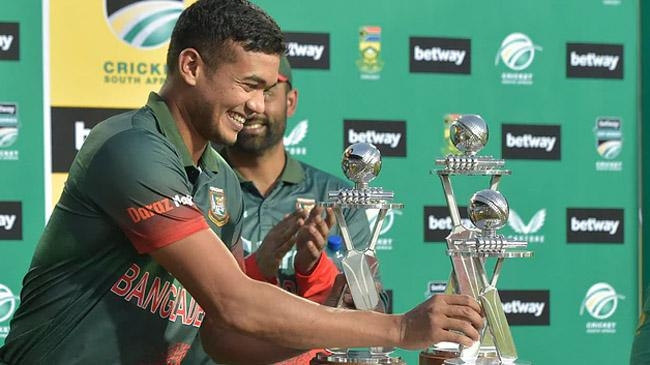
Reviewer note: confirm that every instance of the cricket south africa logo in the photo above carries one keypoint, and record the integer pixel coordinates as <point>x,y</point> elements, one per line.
<point>517,52</point>
<point>8,305</point>
<point>601,302</point>
<point>143,24</point>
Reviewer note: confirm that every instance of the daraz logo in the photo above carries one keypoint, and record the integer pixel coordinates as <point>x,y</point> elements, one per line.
<point>143,24</point>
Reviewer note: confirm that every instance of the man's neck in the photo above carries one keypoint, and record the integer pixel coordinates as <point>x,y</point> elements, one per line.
<point>193,141</point>
<point>263,170</point>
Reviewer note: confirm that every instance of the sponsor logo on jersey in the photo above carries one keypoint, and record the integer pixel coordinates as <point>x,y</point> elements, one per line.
<point>600,302</point>
<point>10,41</point>
<point>160,207</point>
<point>597,61</point>
<point>218,213</point>
<point>526,307</point>
<point>11,220</point>
<point>590,225</point>
<point>293,140</point>
<point>531,142</point>
<point>308,50</point>
<point>517,53</point>
<point>370,63</point>
<point>388,136</point>
<point>441,55</point>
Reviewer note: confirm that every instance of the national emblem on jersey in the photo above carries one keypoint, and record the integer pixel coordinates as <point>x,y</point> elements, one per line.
<point>218,213</point>
<point>306,204</point>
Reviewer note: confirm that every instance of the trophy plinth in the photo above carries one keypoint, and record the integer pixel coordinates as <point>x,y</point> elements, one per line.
<point>361,163</point>
<point>469,248</point>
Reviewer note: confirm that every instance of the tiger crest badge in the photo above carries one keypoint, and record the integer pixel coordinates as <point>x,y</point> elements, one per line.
<point>218,214</point>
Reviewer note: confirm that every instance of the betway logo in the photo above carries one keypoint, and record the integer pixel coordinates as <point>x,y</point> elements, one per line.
<point>437,54</point>
<point>80,134</point>
<point>445,224</point>
<point>8,109</point>
<point>5,41</point>
<point>519,307</point>
<point>374,137</point>
<point>313,51</point>
<point>530,141</point>
<point>594,225</point>
<point>592,59</point>
<point>7,221</point>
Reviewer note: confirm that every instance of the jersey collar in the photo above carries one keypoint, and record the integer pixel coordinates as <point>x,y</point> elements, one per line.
<point>209,158</point>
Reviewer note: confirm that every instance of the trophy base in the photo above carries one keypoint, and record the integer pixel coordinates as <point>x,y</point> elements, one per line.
<point>446,351</point>
<point>484,361</point>
<point>354,358</point>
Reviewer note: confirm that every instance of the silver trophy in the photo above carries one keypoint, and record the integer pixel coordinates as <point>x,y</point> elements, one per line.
<point>470,247</point>
<point>361,164</point>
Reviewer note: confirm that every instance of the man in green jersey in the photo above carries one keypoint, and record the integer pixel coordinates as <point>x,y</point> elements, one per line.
<point>274,186</point>
<point>136,256</point>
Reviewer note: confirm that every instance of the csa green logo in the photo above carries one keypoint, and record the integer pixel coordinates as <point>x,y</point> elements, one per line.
<point>8,304</point>
<point>600,301</point>
<point>143,24</point>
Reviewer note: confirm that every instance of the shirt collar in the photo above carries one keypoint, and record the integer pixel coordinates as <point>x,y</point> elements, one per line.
<point>209,159</point>
<point>293,171</point>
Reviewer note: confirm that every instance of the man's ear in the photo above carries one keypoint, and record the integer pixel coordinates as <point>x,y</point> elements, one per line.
<point>190,65</point>
<point>292,102</point>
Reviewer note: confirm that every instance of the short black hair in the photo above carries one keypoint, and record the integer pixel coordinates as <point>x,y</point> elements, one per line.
<point>210,25</point>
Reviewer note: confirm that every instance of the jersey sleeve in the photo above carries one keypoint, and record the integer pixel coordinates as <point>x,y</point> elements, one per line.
<point>317,285</point>
<point>139,181</point>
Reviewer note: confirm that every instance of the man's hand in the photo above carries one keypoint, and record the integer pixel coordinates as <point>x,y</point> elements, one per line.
<point>311,239</point>
<point>453,318</point>
<point>278,242</point>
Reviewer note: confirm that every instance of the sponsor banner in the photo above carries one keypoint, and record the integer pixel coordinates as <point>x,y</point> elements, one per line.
<point>435,287</point>
<point>8,305</point>
<point>308,50</point>
<point>370,62</point>
<point>592,60</point>
<point>608,133</point>
<point>437,222</point>
<point>517,53</point>
<point>129,41</point>
<point>599,305</point>
<point>70,127</point>
<point>527,307</point>
<point>531,142</point>
<point>527,229</point>
<point>590,225</point>
<point>9,131</point>
<point>294,140</point>
<point>440,55</point>
<point>9,41</point>
<point>388,136</point>
<point>11,220</point>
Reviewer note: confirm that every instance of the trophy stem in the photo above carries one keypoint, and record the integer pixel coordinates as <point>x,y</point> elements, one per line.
<point>376,230</point>
<point>451,200</point>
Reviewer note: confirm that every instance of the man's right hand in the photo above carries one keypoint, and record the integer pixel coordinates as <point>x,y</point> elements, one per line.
<point>278,242</point>
<point>443,317</point>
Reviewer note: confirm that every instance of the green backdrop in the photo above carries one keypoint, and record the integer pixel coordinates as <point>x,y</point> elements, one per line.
<point>554,77</point>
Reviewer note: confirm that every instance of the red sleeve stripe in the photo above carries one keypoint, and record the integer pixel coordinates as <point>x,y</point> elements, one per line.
<point>163,237</point>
